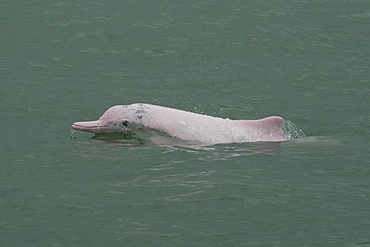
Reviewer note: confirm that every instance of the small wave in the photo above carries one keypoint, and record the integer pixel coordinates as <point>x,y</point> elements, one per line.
<point>292,131</point>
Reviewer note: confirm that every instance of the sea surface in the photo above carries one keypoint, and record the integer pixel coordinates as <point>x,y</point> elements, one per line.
<point>68,61</point>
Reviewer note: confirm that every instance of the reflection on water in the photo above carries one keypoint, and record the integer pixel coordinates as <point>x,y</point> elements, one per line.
<point>168,144</point>
<point>146,137</point>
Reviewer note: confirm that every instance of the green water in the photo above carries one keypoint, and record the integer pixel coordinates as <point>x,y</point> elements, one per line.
<point>62,62</point>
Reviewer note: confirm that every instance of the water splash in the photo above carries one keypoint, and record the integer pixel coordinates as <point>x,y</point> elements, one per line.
<point>291,131</point>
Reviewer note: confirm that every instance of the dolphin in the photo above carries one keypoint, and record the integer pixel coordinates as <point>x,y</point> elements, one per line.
<point>185,125</point>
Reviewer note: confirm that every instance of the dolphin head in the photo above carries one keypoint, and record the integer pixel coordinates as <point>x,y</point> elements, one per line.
<point>113,120</point>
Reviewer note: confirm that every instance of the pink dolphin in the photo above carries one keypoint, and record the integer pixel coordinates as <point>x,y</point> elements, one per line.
<point>185,125</point>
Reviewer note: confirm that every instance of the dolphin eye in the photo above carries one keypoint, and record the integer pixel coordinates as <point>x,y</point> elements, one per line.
<point>125,123</point>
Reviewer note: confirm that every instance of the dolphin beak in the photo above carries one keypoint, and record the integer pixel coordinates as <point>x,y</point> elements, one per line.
<point>91,126</point>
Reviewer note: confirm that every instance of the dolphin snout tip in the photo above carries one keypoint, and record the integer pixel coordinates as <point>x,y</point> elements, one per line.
<point>90,126</point>
<point>77,126</point>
